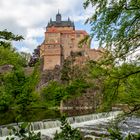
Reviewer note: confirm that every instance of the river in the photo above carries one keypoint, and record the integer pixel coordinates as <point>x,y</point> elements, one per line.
<point>91,125</point>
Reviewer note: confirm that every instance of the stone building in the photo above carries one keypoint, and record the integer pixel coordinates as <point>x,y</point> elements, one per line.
<point>61,38</point>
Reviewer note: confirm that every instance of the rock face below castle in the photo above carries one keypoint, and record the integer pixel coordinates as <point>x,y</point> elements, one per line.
<point>61,39</point>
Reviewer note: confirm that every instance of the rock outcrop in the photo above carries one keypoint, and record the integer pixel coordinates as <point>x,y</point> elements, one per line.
<point>6,68</point>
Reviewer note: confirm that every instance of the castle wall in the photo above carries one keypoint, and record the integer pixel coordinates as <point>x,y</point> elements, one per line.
<point>52,38</point>
<point>51,61</point>
<point>60,40</point>
<point>59,29</point>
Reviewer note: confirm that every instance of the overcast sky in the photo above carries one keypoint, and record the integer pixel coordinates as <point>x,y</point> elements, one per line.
<point>30,17</point>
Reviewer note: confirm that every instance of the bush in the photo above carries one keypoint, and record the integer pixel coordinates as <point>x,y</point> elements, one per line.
<point>67,132</point>
<point>24,133</point>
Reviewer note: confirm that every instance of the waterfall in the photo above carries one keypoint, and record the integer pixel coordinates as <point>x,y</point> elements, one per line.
<point>49,124</point>
<point>46,124</point>
<point>92,126</point>
<point>85,118</point>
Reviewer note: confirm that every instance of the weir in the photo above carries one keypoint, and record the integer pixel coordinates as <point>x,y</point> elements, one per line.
<point>92,126</point>
<point>49,127</point>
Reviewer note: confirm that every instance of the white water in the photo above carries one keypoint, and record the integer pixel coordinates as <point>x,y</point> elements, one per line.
<point>52,131</point>
<point>49,128</point>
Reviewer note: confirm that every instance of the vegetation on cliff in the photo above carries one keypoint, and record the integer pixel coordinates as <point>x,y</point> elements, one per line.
<point>16,89</point>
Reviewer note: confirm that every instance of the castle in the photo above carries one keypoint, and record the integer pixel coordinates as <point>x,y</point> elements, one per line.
<point>61,39</point>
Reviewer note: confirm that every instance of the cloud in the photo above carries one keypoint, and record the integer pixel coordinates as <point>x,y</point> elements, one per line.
<point>29,17</point>
<point>12,25</point>
<point>24,49</point>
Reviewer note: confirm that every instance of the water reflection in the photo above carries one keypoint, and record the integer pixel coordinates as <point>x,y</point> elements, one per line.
<point>77,112</point>
<point>32,115</point>
<point>14,116</point>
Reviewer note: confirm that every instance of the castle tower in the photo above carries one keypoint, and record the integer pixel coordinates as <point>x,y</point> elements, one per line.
<point>60,39</point>
<point>58,18</point>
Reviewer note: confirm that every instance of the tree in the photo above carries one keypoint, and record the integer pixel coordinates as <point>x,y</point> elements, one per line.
<point>8,54</point>
<point>115,24</point>
<point>27,95</point>
<point>35,57</point>
<point>11,76</point>
<point>16,88</point>
<point>6,37</point>
<point>26,56</point>
<point>53,93</point>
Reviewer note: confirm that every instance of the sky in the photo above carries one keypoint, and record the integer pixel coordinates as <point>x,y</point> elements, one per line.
<point>30,17</point>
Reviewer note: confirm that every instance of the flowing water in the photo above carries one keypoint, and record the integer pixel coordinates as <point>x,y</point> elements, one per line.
<point>47,126</point>
<point>93,125</point>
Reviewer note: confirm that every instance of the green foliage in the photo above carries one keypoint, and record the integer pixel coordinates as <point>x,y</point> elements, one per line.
<point>116,135</point>
<point>17,89</point>
<point>24,133</point>
<point>65,76</point>
<point>11,81</point>
<point>130,92</point>
<point>76,87</point>
<point>14,82</point>
<point>9,36</point>
<point>53,93</point>
<point>118,85</point>
<point>10,56</point>
<point>6,37</point>
<point>67,132</point>
<point>28,94</point>
<point>115,24</point>
<point>71,71</point>
<point>5,100</point>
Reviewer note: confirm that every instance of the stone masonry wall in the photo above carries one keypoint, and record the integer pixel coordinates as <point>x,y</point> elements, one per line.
<point>87,100</point>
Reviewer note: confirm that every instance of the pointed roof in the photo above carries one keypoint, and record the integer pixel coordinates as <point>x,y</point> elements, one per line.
<point>60,23</point>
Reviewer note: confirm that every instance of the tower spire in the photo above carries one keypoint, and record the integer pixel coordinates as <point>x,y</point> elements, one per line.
<point>50,20</point>
<point>58,17</point>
